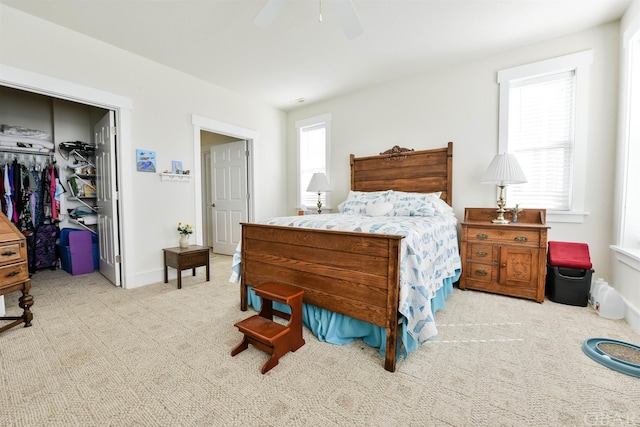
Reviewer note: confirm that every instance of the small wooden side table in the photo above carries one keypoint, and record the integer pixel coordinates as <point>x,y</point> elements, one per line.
<point>24,302</point>
<point>508,259</point>
<point>14,271</point>
<point>185,258</point>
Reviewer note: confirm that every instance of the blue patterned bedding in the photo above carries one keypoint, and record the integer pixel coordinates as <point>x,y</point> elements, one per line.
<point>429,264</point>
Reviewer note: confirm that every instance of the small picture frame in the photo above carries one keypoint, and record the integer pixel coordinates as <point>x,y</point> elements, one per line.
<point>176,167</point>
<point>145,161</point>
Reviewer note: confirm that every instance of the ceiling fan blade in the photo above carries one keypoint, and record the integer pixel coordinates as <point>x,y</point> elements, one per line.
<point>269,12</point>
<point>348,18</point>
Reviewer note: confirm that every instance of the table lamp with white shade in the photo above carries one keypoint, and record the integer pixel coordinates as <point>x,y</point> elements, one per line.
<point>318,184</point>
<point>504,170</point>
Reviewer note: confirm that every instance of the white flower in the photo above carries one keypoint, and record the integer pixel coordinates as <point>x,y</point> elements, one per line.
<point>184,230</point>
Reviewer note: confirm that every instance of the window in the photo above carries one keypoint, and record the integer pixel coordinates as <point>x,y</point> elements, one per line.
<point>314,136</point>
<point>543,108</point>
<point>628,246</point>
<point>631,216</point>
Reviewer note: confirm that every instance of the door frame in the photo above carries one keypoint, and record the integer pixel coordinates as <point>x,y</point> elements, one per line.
<point>50,86</point>
<point>210,125</point>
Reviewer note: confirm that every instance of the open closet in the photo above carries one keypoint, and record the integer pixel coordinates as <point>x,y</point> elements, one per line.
<point>48,168</point>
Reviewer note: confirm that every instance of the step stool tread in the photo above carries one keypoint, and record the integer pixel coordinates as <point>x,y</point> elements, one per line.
<point>261,328</point>
<point>277,291</point>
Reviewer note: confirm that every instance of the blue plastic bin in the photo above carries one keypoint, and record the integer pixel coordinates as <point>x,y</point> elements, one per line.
<point>65,253</point>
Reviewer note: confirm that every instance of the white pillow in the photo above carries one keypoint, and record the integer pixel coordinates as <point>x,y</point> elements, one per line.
<point>378,209</point>
<point>442,208</point>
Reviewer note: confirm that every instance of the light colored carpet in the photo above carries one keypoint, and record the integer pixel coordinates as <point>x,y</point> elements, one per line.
<point>97,355</point>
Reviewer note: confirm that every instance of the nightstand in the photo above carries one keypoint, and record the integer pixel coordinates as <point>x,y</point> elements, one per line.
<point>185,258</point>
<point>508,259</point>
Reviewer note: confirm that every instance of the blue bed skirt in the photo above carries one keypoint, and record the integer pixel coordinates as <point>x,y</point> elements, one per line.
<point>339,329</point>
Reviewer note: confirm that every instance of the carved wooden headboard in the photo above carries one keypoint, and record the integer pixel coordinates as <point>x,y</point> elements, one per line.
<point>403,169</point>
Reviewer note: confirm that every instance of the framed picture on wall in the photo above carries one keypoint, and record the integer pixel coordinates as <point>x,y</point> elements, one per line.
<point>145,161</point>
<point>176,167</point>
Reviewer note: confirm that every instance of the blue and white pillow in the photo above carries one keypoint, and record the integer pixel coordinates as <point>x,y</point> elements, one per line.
<point>414,204</point>
<point>357,201</point>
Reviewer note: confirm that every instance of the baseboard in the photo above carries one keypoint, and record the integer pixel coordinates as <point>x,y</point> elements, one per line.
<point>632,316</point>
<point>149,277</point>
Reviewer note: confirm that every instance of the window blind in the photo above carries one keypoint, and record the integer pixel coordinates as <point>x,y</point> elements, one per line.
<point>541,135</point>
<point>312,160</point>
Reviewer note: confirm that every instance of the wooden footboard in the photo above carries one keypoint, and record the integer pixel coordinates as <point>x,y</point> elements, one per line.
<point>356,274</point>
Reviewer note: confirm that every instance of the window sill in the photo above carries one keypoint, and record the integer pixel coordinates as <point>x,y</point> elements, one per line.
<point>315,211</point>
<point>563,216</point>
<point>628,256</point>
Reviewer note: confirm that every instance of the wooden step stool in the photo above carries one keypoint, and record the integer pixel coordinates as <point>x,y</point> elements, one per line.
<point>262,332</point>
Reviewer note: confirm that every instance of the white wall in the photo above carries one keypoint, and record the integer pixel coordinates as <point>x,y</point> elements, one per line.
<point>460,104</point>
<point>625,278</point>
<point>163,103</point>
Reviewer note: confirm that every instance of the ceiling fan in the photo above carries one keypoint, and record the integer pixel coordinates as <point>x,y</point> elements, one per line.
<point>345,10</point>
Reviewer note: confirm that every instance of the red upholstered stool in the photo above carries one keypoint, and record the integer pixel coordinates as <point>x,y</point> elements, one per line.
<point>569,272</point>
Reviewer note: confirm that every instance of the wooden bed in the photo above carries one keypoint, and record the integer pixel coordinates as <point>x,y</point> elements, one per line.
<point>356,274</point>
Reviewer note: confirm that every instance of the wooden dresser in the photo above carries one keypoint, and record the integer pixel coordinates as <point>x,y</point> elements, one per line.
<point>508,259</point>
<point>14,271</point>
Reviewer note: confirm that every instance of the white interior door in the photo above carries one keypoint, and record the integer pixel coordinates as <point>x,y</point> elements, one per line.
<point>228,194</point>
<point>107,202</point>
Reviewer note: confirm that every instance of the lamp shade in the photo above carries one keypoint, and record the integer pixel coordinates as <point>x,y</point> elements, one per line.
<point>504,170</point>
<point>318,183</point>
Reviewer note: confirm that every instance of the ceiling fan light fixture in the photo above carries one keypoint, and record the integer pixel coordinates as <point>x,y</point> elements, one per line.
<point>345,11</point>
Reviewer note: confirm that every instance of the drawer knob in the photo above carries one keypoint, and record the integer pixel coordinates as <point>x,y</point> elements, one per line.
<point>8,253</point>
<point>520,239</point>
<point>481,272</point>
<point>482,253</point>
<point>482,236</point>
<point>13,273</point>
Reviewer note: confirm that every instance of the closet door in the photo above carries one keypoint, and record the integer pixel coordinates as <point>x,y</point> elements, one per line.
<point>107,198</point>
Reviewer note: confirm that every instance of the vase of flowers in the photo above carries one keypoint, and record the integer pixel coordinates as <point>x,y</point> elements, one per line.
<point>185,231</point>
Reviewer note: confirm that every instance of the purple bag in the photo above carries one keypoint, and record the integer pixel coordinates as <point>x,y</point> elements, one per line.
<point>44,247</point>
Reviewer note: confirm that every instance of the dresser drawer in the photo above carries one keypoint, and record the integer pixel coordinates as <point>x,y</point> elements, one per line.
<point>504,234</point>
<point>12,252</point>
<point>483,252</point>
<point>13,273</point>
<point>482,272</point>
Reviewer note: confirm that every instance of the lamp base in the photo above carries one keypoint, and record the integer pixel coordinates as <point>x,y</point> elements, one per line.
<point>501,210</point>
<point>500,221</point>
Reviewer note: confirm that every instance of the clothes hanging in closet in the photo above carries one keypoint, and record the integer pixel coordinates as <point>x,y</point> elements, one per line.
<point>29,196</point>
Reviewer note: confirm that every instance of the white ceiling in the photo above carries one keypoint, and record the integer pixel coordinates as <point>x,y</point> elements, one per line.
<point>299,57</point>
